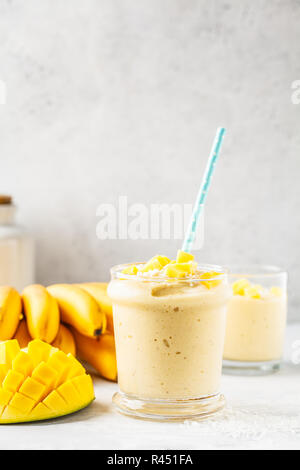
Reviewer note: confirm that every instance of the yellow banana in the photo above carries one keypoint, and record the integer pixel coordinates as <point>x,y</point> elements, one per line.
<point>65,340</point>
<point>10,312</point>
<point>79,309</point>
<point>22,334</point>
<point>42,313</point>
<point>98,291</point>
<point>100,353</point>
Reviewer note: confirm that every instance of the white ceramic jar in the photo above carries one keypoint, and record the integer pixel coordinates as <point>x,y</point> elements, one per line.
<point>16,249</point>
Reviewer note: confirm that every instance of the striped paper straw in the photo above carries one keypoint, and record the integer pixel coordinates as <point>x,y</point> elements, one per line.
<point>202,194</point>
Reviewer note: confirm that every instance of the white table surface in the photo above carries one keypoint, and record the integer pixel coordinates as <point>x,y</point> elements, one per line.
<point>261,413</point>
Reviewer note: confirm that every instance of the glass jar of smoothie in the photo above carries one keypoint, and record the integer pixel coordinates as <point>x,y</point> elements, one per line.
<point>256,319</point>
<point>169,336</point>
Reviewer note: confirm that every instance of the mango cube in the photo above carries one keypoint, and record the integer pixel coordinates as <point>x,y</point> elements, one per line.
<point>69,392</point>
<point>84,385</point>
<point>53,350</point>
<point>210,283</point>
<point>22,403</point>
<point>13,380</point>
<point>253,292</point>
<point>130,270</point>
<point>45,374</point>
<point>238,287</point>
<point>54,401</point>
<point>8,351</point>
<point>60,363</point>
<point>5,396</point>
<point>183,257</point>
<point>23,363</point>
<point>39,351</point>
<point>152,264</point>
<point>180,270</point>
<point>75,368</point>
<point>277,291</point>
<point>33,389</point>
<point>163,260</point>
<point>9,413</point>
<point>4,368</point>
<point>41,410</point>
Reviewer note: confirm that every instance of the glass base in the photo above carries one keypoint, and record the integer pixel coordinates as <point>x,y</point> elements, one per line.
<point>250,368</point>
<point>168,410</point>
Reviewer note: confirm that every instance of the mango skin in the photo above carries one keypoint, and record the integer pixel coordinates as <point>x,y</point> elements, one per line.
<point>50,415</point>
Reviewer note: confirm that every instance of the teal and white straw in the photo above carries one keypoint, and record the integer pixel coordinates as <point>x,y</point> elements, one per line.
<point>201,197</point>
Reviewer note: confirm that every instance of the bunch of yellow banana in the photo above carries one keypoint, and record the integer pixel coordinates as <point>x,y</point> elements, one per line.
<point>72,317</point>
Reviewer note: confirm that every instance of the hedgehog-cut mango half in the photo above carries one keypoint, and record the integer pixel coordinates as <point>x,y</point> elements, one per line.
<point>40,382</point>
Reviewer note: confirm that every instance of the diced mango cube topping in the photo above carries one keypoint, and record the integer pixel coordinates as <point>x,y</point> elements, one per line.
<point>277,291</point>
<point>210,275</point>
<point>183,257</point>
<point>244,288</point>
<point>184,267</point>
<point>130,270</point>
<point>163,260</point>
<point>239,286</point>
<point>253,292</point>
<point>180,270</point>
<point>157,262</point>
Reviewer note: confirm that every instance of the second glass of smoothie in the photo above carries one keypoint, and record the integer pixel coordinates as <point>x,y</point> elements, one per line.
<point>256,319</point>
<point>169,330</point>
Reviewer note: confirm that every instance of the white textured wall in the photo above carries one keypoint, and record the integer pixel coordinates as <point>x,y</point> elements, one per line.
<point>110,97</point>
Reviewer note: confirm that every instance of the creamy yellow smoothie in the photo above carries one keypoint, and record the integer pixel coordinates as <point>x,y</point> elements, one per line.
<point>256,319</point>
<point>169,329</point>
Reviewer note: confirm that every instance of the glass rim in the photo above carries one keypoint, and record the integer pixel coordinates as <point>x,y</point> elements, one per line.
<point>255,270</point>
<point>116,273</point>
